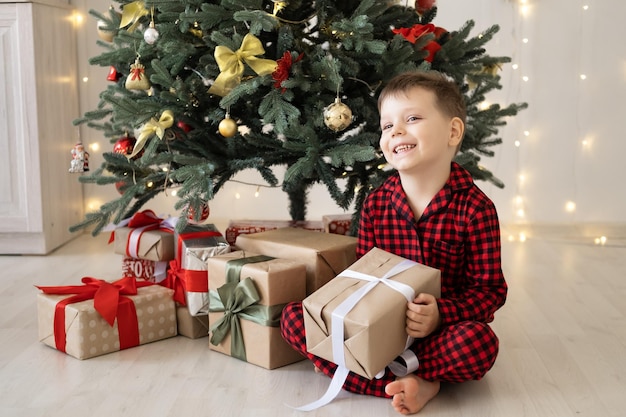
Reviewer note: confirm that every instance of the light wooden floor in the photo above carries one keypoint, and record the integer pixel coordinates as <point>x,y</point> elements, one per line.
<point>562,331</point>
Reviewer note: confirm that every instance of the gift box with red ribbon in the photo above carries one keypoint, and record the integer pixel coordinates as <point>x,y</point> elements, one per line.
<point>101,317</point>
<point>145,236</point>
<point>188,274</point>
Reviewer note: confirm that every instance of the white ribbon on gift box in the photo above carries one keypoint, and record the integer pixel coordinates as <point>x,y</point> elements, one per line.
<point>168,223</point>
<point>135,234</point>
<point>338,315</point>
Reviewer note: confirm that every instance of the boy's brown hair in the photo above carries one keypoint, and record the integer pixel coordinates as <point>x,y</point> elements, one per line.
<point>448,96</point>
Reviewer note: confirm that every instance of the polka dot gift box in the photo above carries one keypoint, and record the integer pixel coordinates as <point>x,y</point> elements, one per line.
<point>100,317</point>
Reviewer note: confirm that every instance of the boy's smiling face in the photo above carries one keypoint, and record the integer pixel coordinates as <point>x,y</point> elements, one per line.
<point>416,135</point>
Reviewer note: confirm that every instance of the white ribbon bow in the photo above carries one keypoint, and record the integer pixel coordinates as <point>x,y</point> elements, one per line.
<point>340,313</point>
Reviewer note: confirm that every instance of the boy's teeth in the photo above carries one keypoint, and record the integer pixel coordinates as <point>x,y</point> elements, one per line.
<point>403,148</point>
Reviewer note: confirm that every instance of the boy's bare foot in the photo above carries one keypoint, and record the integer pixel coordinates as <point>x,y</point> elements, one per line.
<point>411,393</point>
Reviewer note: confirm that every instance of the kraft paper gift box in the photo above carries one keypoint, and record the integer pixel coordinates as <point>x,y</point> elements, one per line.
<point>153,245</point>
<point>337,223</point>
<point>324,255</point>
<point>374,328</point>
<point>193,327</point>
<point>245,227</point>
<point>145,236</point>
<point>195,244</point>
<point>69,321</point>
<point>269,284</point>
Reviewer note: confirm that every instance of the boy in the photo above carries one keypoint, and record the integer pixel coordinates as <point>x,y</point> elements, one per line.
<point>429,211</point>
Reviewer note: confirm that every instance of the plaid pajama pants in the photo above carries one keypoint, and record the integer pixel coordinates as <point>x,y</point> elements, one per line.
<point>457,353</point>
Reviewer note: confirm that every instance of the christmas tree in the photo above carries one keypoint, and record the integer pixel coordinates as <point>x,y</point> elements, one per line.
<point>202,90</point>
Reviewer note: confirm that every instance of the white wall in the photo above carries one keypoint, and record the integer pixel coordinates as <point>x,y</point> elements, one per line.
<point>575,146</point>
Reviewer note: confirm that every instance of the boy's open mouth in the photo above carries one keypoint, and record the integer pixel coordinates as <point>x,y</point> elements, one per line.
<point>403,148</point>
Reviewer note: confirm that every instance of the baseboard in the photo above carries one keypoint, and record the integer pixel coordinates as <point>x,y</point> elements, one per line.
<point>596,233</point>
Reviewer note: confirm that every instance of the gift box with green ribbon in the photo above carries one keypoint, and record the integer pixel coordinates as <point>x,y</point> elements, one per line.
<point>193,327</point>
<point>324,254</point>
<point>247,293</point>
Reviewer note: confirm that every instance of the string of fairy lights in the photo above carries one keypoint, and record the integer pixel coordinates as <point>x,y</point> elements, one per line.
<point>521,82</point>
<point>521,67</point>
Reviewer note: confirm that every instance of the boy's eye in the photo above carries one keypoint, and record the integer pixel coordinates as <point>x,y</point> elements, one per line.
<point>413,118</point>
<point>385,127</point>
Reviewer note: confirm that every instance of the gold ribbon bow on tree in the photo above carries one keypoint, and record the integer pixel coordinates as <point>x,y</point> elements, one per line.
<point>131,13</point>
<point>231,64</point>
<point>153,127</point>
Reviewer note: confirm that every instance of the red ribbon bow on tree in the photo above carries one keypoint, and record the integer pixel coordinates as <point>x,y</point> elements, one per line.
<point>109,302</point>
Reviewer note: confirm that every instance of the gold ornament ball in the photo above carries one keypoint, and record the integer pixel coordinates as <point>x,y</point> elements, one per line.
<point>337,116</point>
<point>227,127</point>
<point>103,33</point>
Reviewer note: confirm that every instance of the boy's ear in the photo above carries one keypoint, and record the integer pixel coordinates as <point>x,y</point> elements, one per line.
<point>457,127</point>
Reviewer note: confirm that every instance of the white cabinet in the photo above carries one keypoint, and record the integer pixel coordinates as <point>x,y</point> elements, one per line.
<point>39,198</point>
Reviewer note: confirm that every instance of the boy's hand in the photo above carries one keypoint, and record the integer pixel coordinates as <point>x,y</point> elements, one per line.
<point>422,316</point>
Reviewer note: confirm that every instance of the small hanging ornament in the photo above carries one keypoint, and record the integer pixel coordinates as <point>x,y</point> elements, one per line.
<point>113,74</point>
<point>337,116</point>
<point>196,30</point>
<point>491,70</point>
<point>137,79</point>
<point>227,127</point>
<point>422,6</point>
<point>151,35</point>
<point>105,34</point>
<point>125,146</point>
<point>80,158</point>
<point>203,215</point>
<point>120,186</point>
<point>184,127</point>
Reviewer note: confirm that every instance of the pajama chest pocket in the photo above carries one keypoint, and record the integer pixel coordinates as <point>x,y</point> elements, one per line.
<point>447,256</point>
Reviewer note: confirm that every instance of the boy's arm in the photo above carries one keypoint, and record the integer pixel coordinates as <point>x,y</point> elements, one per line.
<point>485,289</point>
<point>365,236</point>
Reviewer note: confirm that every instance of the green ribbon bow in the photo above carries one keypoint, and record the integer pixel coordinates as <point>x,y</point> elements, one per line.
<point>238,300</point>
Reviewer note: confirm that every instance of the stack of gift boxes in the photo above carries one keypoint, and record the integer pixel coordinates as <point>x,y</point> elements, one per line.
<point>198,283</point>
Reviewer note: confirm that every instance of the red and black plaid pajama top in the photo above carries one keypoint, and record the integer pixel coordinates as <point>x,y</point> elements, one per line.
<point>459,234</point>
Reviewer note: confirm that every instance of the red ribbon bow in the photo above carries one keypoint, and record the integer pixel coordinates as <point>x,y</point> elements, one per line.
<point>141,222</point>
<point>144,218</point>
<point>137,73</point>
<point>175,280</point>
<point>183,280</point>
<point>109,301</point>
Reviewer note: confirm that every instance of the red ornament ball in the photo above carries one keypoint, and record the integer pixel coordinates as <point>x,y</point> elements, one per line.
<point>184,127</point>
<point>125,146</point>
<point>422,6</point>
<point>203,216</point>
<point>119,185</point>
